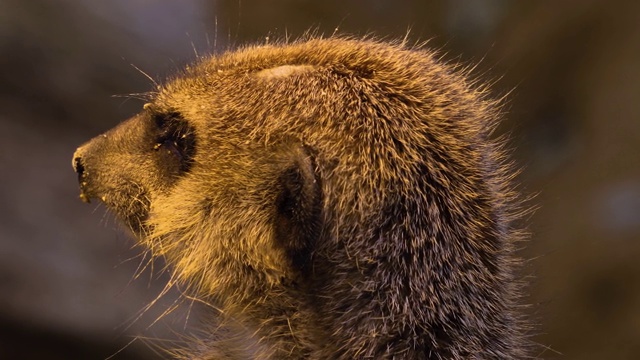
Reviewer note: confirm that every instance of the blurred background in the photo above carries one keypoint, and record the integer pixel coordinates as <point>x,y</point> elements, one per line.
<point>572,67</point>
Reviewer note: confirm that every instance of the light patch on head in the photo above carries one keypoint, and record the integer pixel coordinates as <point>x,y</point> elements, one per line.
<point>283,71</point>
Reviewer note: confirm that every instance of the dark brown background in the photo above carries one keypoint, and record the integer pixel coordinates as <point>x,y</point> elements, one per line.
<point>573,68</point>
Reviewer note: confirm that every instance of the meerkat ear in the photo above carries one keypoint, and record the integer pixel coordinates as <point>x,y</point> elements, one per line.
<point>299,205</point>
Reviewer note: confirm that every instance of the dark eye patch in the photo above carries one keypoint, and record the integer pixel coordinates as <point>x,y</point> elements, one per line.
<point>175,136</point>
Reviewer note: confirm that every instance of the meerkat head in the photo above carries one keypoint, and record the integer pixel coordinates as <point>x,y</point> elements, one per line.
<point>212,174</point>
<point>331,175</point>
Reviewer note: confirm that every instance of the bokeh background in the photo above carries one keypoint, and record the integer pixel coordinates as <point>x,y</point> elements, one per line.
<point>571,68</point>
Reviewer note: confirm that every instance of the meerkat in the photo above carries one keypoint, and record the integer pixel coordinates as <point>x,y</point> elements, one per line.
<point>334,198</point>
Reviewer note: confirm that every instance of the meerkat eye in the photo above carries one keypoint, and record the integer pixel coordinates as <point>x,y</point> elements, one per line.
<point>176,137</point>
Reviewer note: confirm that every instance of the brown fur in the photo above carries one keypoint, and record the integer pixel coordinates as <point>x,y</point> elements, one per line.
<point>337,199</point>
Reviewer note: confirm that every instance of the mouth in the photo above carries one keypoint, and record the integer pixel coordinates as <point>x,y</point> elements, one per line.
<point>84,195</point>
<point>82,174</point>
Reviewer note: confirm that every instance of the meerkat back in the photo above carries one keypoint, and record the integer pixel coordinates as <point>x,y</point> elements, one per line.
<point>334,198</point>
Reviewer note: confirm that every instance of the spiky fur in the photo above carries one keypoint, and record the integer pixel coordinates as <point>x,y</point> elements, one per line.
<point>344,201</point>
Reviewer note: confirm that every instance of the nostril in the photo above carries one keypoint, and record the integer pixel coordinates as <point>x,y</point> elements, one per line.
<point>78,166</point>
